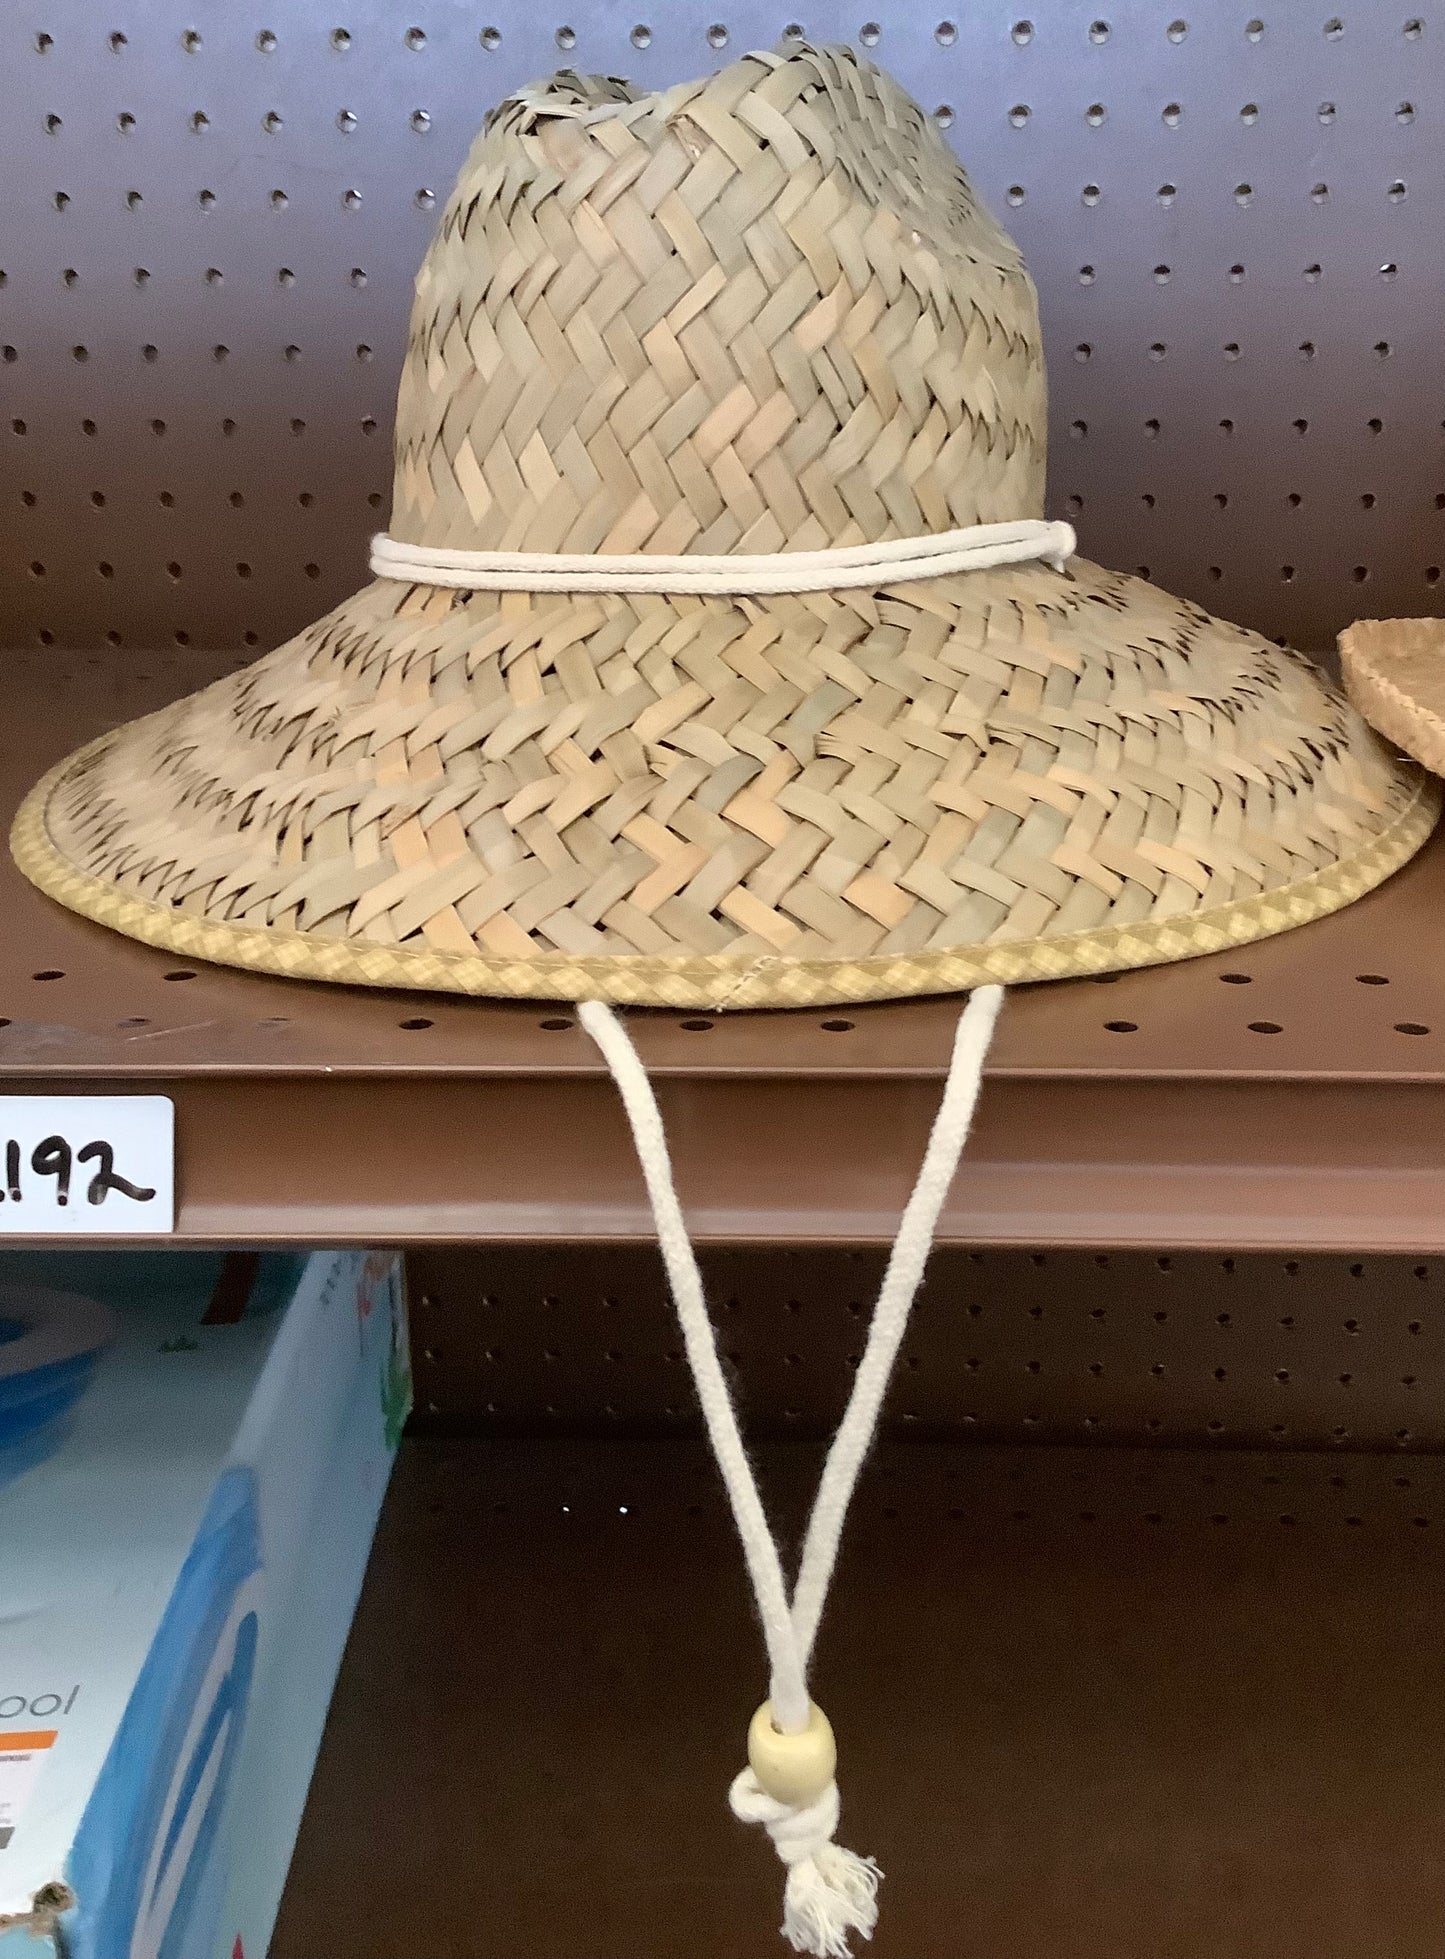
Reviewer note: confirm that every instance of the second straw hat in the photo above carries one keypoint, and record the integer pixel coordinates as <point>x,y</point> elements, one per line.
<point>748,320</point>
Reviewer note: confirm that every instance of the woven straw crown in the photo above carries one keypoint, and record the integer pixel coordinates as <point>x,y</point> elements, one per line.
<point>762,312</point>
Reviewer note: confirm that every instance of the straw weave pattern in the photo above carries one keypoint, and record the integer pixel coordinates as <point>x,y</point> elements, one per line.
<point>1395,675</point>
<point>761,312</point>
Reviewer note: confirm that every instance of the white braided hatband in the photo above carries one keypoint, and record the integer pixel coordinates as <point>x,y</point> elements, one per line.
<point>894,562</point>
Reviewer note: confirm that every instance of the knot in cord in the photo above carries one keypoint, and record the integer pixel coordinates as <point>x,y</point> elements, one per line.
<point>796,1832</point>
<point>830,1892</point>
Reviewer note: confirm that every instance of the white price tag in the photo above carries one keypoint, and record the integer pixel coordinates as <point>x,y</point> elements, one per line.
<point>87,1164</point>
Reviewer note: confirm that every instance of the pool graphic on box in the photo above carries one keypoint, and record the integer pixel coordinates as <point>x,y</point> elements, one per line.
<point>193,1450</point>
<point>49,1345</point>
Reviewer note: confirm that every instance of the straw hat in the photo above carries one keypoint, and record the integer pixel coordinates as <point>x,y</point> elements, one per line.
<point>1395,675</point>
<point>763,313</point>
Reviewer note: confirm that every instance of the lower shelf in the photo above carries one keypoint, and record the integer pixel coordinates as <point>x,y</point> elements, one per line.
<point>1091,1704</point>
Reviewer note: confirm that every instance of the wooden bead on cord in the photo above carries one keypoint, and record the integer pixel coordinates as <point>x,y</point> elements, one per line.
<point>793,1769</point>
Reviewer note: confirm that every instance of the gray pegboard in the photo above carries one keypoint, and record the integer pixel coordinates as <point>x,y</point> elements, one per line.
<point>213,215</point>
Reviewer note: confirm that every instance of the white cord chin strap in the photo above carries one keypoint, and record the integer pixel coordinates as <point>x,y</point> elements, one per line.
<point>895,562</point>
<point>789,1785</point>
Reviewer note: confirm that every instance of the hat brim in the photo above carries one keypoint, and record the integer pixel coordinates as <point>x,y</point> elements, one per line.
<point>140,830</point>
<point>1395,674</point>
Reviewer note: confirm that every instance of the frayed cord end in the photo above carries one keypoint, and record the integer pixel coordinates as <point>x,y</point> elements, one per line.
<point>830,1892</point>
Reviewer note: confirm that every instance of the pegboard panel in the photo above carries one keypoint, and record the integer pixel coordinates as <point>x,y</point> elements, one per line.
<point>1237,1352</point>
<point>214,216</point>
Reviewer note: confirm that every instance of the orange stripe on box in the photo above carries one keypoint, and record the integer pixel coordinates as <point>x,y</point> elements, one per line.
<point>23,1741</point>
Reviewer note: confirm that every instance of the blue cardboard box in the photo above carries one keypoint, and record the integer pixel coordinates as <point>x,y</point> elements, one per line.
<point>193,1452</point>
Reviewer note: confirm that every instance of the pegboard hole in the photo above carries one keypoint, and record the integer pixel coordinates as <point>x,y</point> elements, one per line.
<point>870,34</point>
<point>1236,979</point>
<point>491,39</point>
<point>1099,32</point>
<point>946,33</point>
<point>1413,29</point>
<point>641,35</point>
<point>1371,979</point>
<point>1171,114</point>
<point>266,41</point>
<point>1021,33</point>
<point>557,1024</point>
<point>43,44</point>
<point>717,35</point>
<point>1410,1027</point>
<point>346,121</point>
<point>1121,1026</point>
<point>1249,113</point>
<point>48,973</point>
<point>696,1026</point>
<point>117,42</point>
<point>416,1022</point>
<point>1265,1027</point>
<point>1019,114</point>
<point>1397,191</point>
<point>1334,28</point>
<point>415,38</point>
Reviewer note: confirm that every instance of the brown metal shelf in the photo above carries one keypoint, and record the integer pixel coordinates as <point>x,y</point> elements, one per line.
<point>1282,1097</point>
<point>1091,1704</point>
